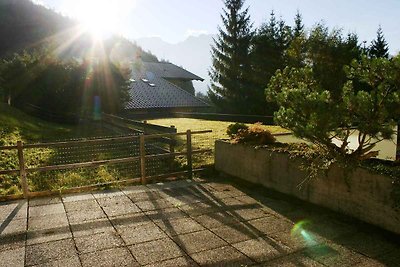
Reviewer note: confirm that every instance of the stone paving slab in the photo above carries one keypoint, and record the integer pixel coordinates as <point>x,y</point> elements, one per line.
<point>224,256</point>
<point>199,241</point>
<point>260,249</point>
<point>64,262</point>
<point>91,227</point>
<point>141,233</point>
<point>110,257</point>
<point>156,251</point>
<point>177,262</point>
<point>185,223</point>
<point>50,251</point>
<point>50,209</point>
<point>47,235</point>
<point>179,226</point>
<point>96,242</point>
<point>13,257</point>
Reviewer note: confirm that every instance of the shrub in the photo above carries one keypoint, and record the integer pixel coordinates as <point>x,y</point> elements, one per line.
<point>234,128</point>
<point>254,135</point>
<point>367,106</point>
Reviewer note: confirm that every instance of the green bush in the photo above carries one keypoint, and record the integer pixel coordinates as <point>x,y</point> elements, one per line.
<point>368,103</point>
<point>234,128</point>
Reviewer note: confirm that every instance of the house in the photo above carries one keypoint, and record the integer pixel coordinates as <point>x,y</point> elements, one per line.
<point>160,88</point>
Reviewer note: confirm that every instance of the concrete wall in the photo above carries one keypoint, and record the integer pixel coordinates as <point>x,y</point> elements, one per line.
<point>365,196</point>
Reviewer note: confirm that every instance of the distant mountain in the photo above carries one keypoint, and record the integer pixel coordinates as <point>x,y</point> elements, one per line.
<point>192,54</point>
<point>25,25</point>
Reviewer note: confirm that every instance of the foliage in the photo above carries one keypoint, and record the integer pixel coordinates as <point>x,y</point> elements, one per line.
<point>253,135</point>
<point>313,159</point>
<point>273,46</point>
<point>267,55</point>
<point>312,112</point>
<point>233,129</point>
<point>379,47</point>
<point>230,69</point>
<point>61,87</point>
<point>327,53</point>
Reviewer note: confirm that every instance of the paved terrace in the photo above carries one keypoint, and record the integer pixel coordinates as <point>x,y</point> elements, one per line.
<point>184,223</point>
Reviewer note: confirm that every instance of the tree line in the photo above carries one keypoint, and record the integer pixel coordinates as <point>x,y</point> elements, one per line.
<point>245,59</point>
<point>64,87</point>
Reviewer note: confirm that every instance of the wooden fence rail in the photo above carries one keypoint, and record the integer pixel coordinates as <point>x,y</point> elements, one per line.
<point>146,128</point>
<point>23,170</point>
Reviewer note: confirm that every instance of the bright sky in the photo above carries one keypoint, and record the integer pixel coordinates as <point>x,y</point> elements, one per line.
<point>174,20</point>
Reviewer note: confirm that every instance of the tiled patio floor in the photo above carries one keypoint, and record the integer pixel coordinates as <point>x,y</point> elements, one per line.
<point>184,223</point>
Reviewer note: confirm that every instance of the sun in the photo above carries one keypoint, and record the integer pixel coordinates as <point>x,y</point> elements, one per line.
<point>99,17</point>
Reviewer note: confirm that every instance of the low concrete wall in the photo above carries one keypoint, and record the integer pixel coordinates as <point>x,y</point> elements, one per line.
<point>363,195</point>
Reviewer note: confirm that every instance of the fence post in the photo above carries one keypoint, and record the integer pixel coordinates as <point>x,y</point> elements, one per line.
<point>144,127</point>
<point>22,171</point>
<point>171,151</point>
<point>189,153</point>
<point>142,152</point>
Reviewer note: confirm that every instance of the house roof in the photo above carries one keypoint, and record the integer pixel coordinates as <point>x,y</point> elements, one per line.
<point>150,91</point>
<point>170,71</point>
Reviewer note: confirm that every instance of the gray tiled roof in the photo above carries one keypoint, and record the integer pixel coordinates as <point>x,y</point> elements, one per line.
<point>162,94</point>
<point>170,71</point>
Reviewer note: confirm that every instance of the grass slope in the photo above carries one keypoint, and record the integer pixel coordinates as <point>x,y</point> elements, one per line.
<point>16,125</point>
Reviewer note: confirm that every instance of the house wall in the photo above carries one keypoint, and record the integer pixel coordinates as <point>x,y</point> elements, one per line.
<point>362,195</point>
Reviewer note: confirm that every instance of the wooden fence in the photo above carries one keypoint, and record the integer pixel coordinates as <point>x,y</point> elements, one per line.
<point>142,158</point>
<point>139,126</point>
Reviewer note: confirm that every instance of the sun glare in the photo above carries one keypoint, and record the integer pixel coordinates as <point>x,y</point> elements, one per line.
<point>99,17</point>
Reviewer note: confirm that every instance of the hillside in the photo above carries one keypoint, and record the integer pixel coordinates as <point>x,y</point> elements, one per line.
<point>16,125</point>
<point>25,25</point>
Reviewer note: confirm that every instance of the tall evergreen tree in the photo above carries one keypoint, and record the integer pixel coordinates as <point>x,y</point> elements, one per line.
<point>230,88</point>
<point>379,47</point>
<point>268,55</point>
<point>298,29</point>
<point>296,52</point>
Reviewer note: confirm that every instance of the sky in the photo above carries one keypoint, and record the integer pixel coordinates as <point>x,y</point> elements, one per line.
<point>175,20</point>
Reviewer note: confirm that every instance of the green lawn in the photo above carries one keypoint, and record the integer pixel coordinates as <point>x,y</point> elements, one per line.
<point>218,127</point>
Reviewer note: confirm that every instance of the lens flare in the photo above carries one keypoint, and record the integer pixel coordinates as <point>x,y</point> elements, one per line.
<point>299,229</point>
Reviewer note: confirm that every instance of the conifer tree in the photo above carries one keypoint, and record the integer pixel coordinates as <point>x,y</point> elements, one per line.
<point>296,52</point>
<point>298,29</point>
<point>379,47</point>
<point>268,55</point>
<point>230,88</point>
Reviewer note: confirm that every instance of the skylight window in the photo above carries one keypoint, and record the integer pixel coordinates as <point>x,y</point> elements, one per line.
<point>145,80</point>
<point>152,84</point>
<point>132,80</point>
